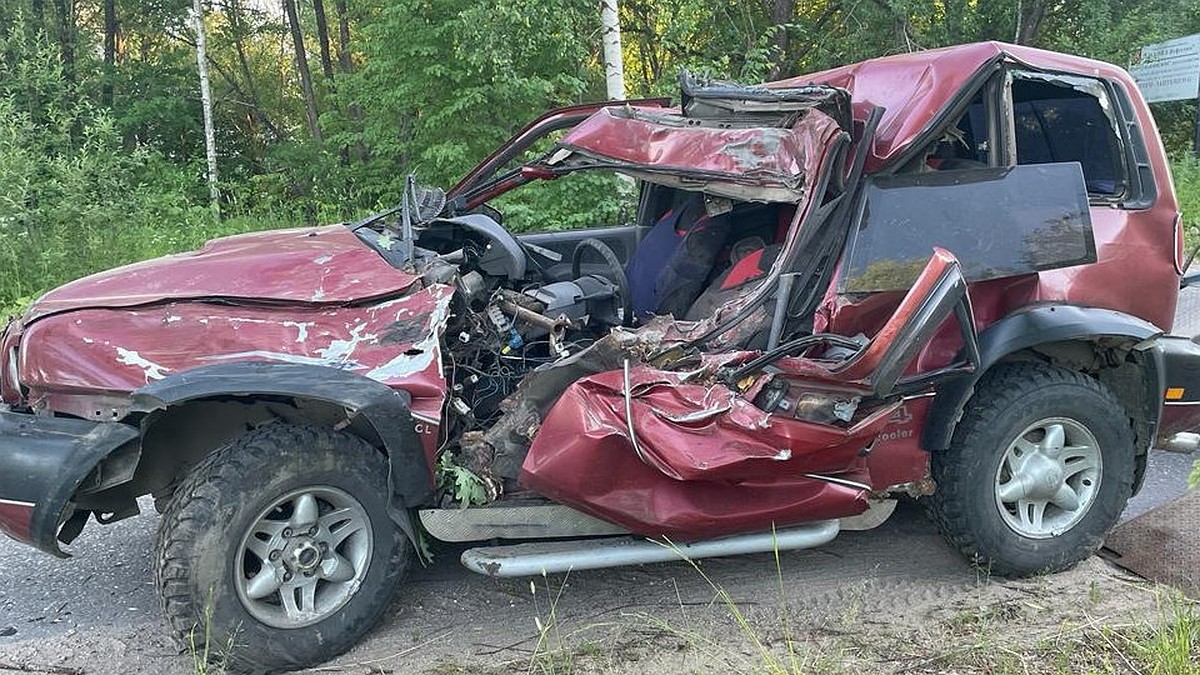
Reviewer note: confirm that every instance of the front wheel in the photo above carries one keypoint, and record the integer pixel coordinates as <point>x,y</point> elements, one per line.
<point>1039,469</point>
<point>277,551</point>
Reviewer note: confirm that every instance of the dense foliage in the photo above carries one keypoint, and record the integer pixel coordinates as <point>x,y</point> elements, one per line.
<point>101,139</point>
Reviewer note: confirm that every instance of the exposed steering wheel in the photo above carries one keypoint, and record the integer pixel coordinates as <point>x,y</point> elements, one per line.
<point>615,274</point>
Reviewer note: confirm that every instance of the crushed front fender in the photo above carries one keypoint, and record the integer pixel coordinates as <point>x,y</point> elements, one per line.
<point>43,461</point>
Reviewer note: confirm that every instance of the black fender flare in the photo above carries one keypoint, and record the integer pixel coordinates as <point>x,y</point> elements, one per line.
<point>1038,325</point>
<point>386,410</point>
<point>43,461</point>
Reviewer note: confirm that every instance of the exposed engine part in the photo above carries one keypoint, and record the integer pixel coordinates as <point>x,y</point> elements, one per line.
<point>825,408</point>
<point>773,396</point>
<point>460,406</point>
<point>439,271</point>
<point>511,340</point>
<point>481,392</point>
<point>557,326</point>
<point>472,286</point>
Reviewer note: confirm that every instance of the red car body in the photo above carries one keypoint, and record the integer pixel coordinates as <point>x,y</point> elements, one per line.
<point>959,264</point>
<point>684,457</point>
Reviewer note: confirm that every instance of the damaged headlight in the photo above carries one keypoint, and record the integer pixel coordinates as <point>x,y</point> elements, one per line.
<point>779,397</point>
<point>825,408</point>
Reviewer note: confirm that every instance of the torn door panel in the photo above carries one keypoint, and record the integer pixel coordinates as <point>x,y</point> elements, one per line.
<point>697,461</point>
<point>644,447</point>
<point>583,458</point>
<point>881,366</point>
<point>694,432</point>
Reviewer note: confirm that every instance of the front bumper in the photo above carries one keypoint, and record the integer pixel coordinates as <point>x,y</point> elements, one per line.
<point>1181,390</point>
<point>43,461</point>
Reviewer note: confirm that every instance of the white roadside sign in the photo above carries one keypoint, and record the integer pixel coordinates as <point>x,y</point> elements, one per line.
<point>1169,71</point>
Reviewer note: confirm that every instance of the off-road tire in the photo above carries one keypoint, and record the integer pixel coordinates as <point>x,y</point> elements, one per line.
<point>215,505</point>
<point>1007,399</point>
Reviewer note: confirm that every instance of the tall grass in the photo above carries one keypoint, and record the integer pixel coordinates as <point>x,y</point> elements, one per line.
<point>1185,170</point>
<point>1172,647</point>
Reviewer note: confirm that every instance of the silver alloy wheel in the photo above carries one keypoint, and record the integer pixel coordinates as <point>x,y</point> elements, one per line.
<point>1048,478</point>
<point>303,557</point>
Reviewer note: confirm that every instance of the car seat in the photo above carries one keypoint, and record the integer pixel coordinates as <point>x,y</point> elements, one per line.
<point>675,259</point>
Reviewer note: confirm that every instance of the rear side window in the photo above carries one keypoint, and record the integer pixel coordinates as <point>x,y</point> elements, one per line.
<point>1068,119</point>
<point>998,222</point>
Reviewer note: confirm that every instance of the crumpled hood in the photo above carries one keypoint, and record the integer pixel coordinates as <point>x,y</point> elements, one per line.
<point>311,266</point>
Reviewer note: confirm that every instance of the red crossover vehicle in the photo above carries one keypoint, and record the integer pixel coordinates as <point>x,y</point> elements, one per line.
<point>946,274</point>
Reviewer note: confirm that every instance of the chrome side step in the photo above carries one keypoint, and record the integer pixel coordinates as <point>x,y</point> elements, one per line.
<point>1184,442</point>
<point>556,521</point>
<point>877,513</point>
<point>523,560</point>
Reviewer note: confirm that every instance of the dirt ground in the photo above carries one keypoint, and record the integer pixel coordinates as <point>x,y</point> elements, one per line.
<point>895,599</point>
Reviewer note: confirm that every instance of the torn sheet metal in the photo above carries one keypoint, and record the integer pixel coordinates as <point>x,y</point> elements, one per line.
<point>596,471</point>
<point>661,459</point>
<point>316,265</point>
<point>755,163</point>
<point>693,432</point>
<point>396,342</point>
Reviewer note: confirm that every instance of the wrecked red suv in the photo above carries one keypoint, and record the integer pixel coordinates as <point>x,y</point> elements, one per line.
<point>944,274</point>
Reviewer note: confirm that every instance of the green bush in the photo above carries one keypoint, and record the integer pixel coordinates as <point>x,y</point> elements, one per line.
<point>1186,172</point>
<point>70,208</point>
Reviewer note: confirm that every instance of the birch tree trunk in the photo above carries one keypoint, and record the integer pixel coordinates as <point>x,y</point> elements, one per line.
<point>614,68</point>
<point>210,143</point>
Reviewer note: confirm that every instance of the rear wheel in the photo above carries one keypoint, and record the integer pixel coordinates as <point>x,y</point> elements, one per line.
<point>1039,469</point>
<point>277,551</point>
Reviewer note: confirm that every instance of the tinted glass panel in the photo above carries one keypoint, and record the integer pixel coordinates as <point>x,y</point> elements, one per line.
<point>1058,124</point>
<point>998,222</point>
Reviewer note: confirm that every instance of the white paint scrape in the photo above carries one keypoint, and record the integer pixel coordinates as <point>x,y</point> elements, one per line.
<point>340,351</point>
<point>301,327</point>
<point>423,351</point>
<point>129,357</point>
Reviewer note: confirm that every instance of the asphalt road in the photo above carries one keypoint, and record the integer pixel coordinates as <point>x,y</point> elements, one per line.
<point>109,581</point>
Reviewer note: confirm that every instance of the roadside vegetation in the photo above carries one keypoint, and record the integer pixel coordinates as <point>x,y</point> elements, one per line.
<point>102,148</point>
<point>1185,169</point>
<point>999,628</point>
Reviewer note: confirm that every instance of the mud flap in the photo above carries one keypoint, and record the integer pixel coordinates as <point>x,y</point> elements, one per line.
<point>43,462</point>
